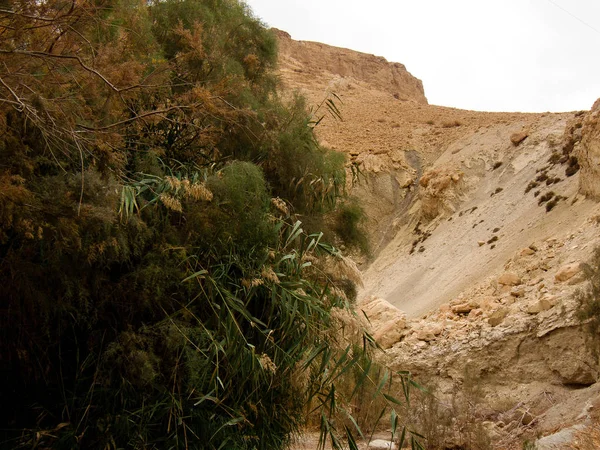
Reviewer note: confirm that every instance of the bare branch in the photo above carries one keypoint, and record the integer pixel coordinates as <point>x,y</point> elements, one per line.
<point>15,96</point>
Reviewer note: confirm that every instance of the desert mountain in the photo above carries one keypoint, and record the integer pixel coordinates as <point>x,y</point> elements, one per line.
<point>481,226</point>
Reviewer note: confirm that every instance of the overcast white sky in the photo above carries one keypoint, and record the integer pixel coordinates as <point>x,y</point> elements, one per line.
<point>502,55</point>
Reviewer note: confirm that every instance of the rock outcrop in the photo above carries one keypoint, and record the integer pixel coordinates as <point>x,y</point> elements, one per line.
<point>589,153</point>
<point>312,63</point>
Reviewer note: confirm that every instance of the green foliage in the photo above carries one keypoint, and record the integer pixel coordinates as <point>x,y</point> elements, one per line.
<point>241,193</point>
<point>311,176</point>
<point>155,295</point>
<point>348,224</point>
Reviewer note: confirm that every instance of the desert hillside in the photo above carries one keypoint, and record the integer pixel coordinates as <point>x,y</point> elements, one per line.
<point>481,226</point>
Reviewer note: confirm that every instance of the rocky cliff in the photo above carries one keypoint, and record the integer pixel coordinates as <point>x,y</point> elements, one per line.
<point>589,153</point>
<point>312,64</point>
<point>481,225</point>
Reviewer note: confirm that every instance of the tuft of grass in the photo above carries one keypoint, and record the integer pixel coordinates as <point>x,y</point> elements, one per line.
<point>554,158</point>
<point>546,197</point>
<point>551,204</point>
<point>531,185</point>
<point>572,170</point>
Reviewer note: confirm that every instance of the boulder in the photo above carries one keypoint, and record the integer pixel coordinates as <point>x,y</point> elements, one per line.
<point>390,333</point>
<point>564,438</point>
<point>517,138</point>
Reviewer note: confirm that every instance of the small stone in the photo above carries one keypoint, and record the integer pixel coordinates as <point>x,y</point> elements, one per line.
<point>526,417</point>
<point>551,299</point>
<point>517,138</point>
<point>517,291</point>
<point>509,279</point>
<point>380,444</point>
<point>425,335</point>
<point>542,304</point>
<point>437,329</point>
<point>481,243</point>
<point>567,272</point>
<point>498,316</point>
<point>463,308</point>
<point>527,252</point>
<point>475,313</point>
<point>487,303</point>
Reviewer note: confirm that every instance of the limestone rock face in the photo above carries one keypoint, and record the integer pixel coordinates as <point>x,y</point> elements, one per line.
<point>388,321</point>
<point>440,191</point>
<point>312,59</point>
<point>589,154</point>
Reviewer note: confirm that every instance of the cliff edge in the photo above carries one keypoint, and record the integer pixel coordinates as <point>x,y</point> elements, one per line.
<point>304,63</point>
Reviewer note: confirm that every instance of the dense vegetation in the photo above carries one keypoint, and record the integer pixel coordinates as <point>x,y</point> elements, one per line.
<point>158,290</point>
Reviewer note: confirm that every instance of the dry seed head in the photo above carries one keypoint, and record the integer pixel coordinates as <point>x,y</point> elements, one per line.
<point>341,315</point>
<point>267,363</point>
<point>174,183</point>
<point>280,206</point>
<point>336,292</point>
<point>341,267</point>
<point>171,202</point>
<point>198,191</point>
<point>309,258</point>
<point>268,274</point>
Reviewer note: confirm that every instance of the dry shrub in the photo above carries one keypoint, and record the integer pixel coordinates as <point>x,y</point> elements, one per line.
<point>454,421</point>
<point>451,123</point>
<point>341,267</point>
